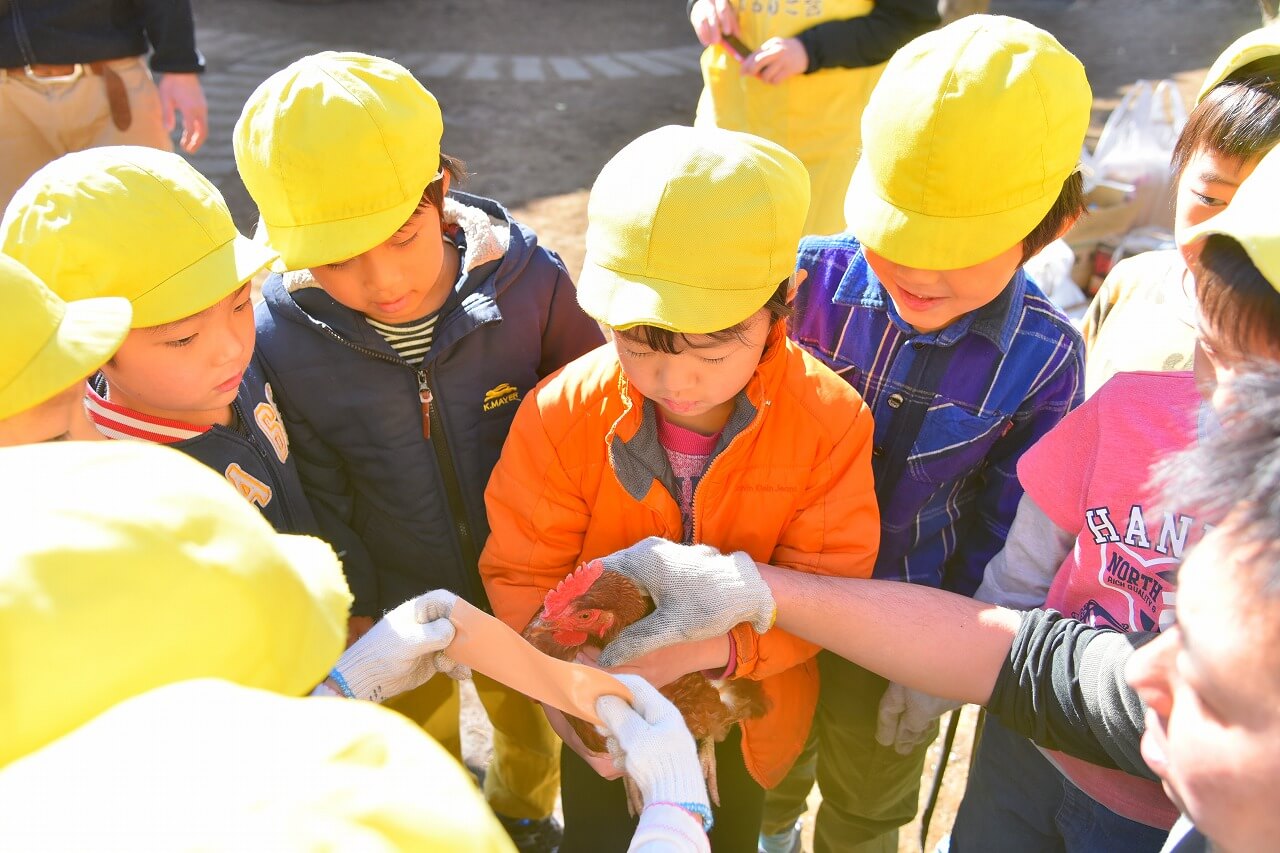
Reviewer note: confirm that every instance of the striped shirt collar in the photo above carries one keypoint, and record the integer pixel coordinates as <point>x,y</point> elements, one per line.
<point>995,321</point>
<point>116,421</point>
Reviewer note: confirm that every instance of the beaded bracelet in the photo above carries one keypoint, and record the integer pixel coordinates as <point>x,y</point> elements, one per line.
<point>695,809</point>
<point>341,682</point>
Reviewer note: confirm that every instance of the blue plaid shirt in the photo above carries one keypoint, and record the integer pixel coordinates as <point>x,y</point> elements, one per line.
<point>983,390</point>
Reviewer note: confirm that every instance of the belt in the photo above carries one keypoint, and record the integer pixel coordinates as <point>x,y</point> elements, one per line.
<point>117,96</point>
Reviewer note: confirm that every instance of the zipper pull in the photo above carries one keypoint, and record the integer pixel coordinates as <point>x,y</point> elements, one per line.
<point>424,396</point>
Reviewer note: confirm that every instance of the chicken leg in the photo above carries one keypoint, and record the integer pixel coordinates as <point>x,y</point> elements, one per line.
<point>707,760</point>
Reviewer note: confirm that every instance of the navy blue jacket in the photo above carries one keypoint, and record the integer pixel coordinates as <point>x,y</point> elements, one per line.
<point>258,460</point>
<point>406,512</point>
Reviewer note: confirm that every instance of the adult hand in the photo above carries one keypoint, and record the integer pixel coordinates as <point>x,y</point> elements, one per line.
<point>403,650</point>
<point>181,93</point>
<point>698,593</point>
<point>710,18</point>
<point>907,716</point>
<point>601,762</point>
<point>777,60</point>
<point>649,740</point>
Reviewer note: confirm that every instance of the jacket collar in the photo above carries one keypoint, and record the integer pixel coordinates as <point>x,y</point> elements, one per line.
<point>996,321</point>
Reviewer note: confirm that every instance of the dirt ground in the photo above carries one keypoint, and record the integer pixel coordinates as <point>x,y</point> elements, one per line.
<point>537,140</point>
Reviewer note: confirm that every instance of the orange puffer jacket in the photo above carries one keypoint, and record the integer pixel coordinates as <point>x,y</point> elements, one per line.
<point>792,487</point>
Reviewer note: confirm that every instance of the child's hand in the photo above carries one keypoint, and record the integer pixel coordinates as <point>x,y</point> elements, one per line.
<point>652,744</point>
<point>601,762</point>
<point>710,18</point>
<point>777,60</point>
<point>663,666</point>
<point>906,718</point>
<point>699,593</point>
<point>403,650</point>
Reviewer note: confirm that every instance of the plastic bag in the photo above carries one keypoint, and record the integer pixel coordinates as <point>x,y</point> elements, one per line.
<point>1135,146</point>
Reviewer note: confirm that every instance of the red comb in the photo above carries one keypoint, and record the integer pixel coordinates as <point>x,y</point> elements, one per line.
<point>570,588</point>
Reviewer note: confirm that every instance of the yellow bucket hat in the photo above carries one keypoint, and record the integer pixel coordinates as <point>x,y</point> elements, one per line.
<point>1250,47</point>
<point>1250,219</point>
<point>208,766</point>
<point>46,345</point>
<point>132,222</point>
<point>127,566</point>
<point>691,229</point>
<point>336,151</point>
<point>967,140</point>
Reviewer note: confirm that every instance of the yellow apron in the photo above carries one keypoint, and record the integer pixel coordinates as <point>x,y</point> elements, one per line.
<point>816,116</point>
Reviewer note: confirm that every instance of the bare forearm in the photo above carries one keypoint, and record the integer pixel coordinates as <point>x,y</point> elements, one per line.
<point>923,638</point>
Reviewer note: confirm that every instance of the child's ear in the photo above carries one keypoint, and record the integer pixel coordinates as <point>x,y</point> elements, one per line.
<point>797,279</point>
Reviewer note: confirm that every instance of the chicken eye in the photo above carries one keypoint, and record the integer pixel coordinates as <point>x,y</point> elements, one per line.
<point>584,615</point>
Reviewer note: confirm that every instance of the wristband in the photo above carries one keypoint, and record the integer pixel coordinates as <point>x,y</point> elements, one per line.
<point>341,682</point>
<point>696,809</point>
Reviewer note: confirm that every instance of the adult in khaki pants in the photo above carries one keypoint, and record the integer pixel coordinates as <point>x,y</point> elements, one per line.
<point>73,76</point>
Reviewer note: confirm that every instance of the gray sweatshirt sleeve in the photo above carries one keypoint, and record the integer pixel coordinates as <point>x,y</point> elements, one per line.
<point>1063,686</point>
<point>1020,575</point>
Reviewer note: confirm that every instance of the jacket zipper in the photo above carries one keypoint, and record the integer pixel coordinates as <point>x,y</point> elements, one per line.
<point>697,520</point>
<point>284,500</point>
<point>439,443</point>
<point>697,538</point>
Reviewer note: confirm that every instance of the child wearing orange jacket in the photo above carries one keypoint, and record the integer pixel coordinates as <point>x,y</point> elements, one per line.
<point>699,423</point>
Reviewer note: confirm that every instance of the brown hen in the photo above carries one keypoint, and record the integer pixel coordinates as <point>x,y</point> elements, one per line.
<point>588,609</point>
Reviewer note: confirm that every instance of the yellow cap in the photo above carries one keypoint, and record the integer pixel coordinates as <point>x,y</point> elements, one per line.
<point>46,345</point>
<point>210,766</point>
<point>691,229</point>
<point>132,222</point>
<point>127,566</point>
<point>1250,219</point>
<point>336,151</point>
<point>967,140</point>
<point>1250,47</point>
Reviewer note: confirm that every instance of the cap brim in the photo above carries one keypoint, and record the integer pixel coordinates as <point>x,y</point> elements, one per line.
<point>202,284</point>
<point>90,333</point>
<point>1255,233</point>
<point>302,247</point>
<point>926,242</point>
<point>1250,47</point>
<point>622,301</point>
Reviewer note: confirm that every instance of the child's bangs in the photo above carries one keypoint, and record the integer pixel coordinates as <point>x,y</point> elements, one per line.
<point>1238,120</point>
<point>673,343</point>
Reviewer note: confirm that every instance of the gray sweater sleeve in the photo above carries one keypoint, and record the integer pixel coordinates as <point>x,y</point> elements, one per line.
<point>1063,686</point>
<point>1020,575</point>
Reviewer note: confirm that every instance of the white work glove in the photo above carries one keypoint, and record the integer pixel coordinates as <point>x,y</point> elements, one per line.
<point>403,650</point>
<point>651,743</point>
<point>906,717</point>
<point>698,593</point>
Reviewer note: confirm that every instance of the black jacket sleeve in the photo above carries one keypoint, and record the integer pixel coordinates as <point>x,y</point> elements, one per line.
<point>870,39</point>
<point>1063,686</point>
<point>171,30</point>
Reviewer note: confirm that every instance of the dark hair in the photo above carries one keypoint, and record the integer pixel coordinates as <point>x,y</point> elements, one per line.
<point>1069,205</point>
<point>664,340</point>
<point>1239,118</point>
<point>1241,307</point>
<point>433,195</point>
<point>1234,473</point>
